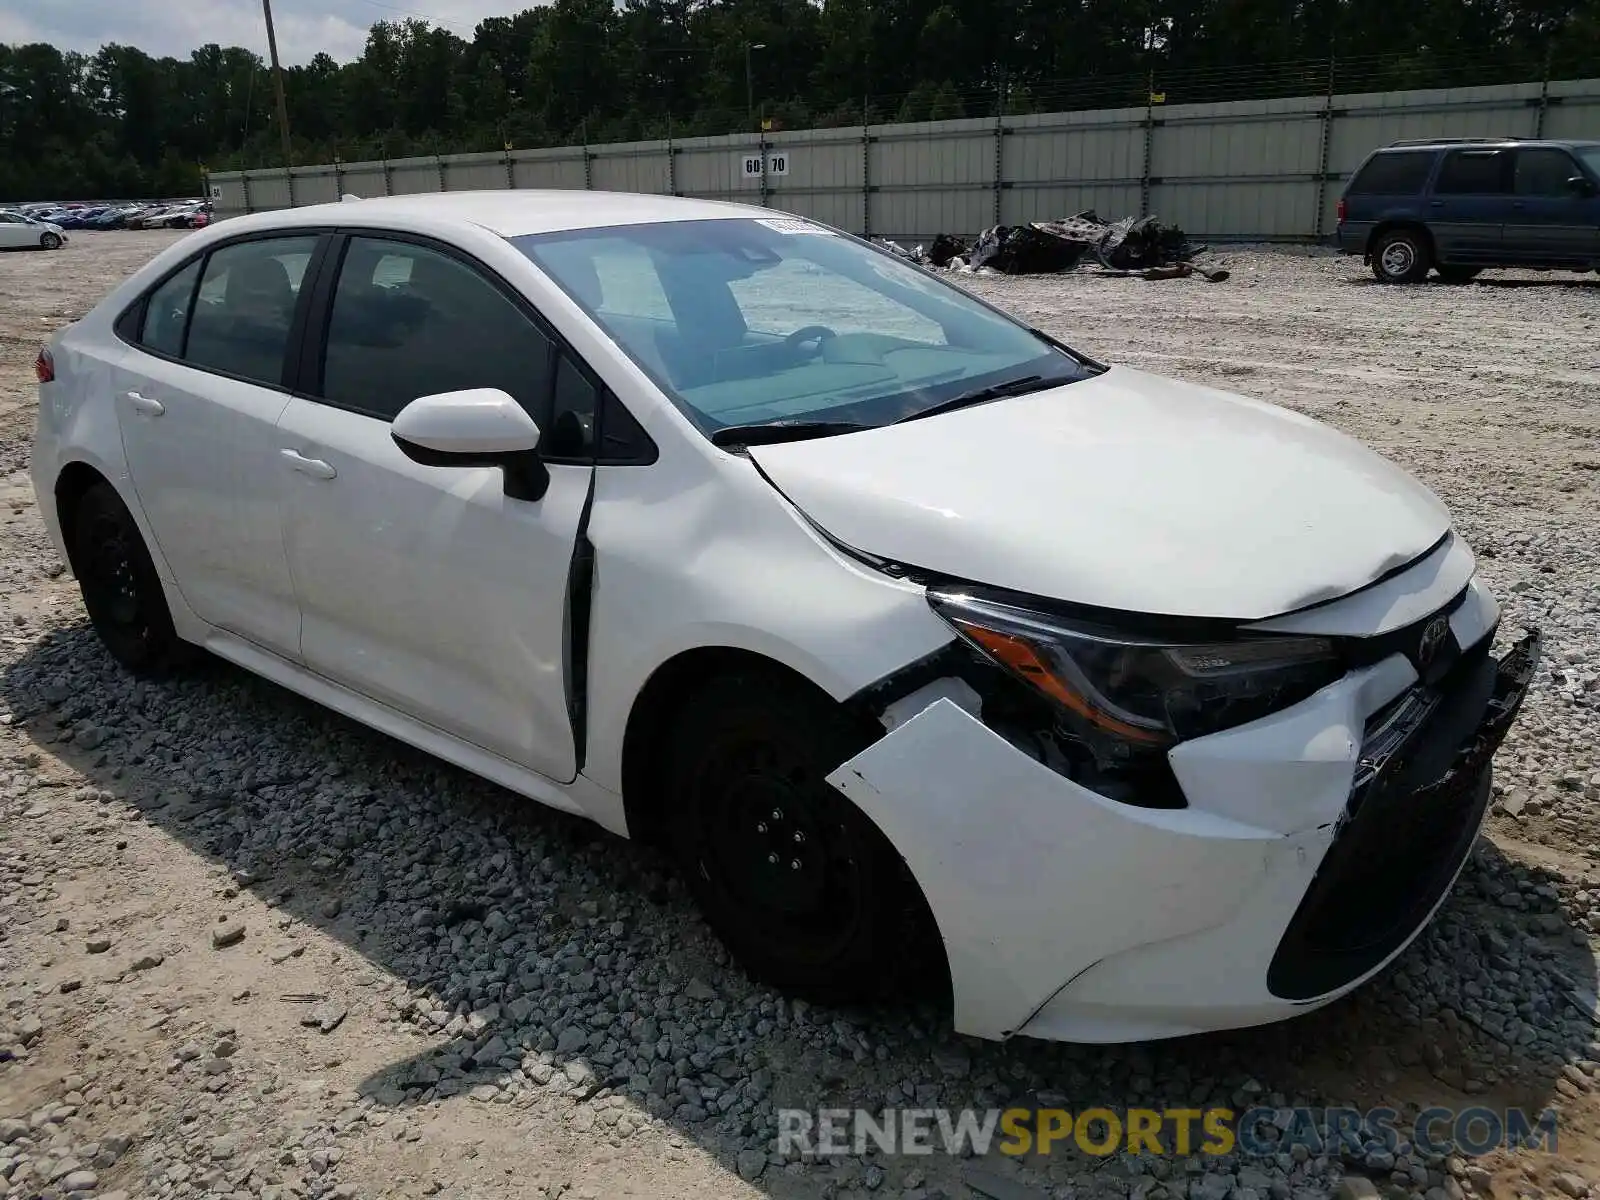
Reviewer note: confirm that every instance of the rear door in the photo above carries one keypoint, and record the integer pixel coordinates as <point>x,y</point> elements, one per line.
<point>1551,223</point>
<point>1467,211</point>
<point>198,396</point>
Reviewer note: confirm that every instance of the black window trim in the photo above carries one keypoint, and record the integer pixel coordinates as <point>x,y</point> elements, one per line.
<point>129,324</point>
<point>305,377</point>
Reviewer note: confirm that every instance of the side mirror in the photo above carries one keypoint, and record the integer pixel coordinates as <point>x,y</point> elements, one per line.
<point>1580,185</point>
<point>479,427</point>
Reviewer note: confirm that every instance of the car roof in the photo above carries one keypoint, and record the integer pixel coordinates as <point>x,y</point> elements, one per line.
<point>517,212</point>
<point>1485,143</point>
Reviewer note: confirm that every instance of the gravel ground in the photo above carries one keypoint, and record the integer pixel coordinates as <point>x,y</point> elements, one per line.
<point>249,948</point>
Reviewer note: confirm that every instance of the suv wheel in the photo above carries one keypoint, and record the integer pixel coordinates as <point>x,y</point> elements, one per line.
<point>1400,256</point>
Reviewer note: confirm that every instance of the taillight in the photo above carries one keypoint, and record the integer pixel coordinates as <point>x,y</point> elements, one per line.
<point>45,365</point>
<point>1341,208</point>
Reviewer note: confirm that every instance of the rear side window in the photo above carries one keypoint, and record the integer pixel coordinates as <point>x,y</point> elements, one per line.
<point>245,307</point>
<point>1399,174</point>
<point>1544,171</point>
<point>408,321</point>
<point>1472,173</point>
<point>167,312</point>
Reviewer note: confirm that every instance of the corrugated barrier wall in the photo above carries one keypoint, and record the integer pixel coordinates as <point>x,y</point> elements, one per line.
<point>1268,170</point>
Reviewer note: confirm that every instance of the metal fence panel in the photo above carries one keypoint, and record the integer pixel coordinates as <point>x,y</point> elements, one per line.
<point>1243,169</point>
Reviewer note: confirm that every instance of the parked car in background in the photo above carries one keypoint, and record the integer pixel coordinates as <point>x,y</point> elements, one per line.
<point>1458,205</point>
<point>17,231</point>
<point>1125,707</point>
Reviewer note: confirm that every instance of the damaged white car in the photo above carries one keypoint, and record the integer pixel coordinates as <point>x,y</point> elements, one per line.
<point>931,648</point>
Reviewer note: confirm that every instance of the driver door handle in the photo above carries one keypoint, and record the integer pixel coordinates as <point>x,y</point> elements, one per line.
<point>314,467</point>
<point>145,405</point>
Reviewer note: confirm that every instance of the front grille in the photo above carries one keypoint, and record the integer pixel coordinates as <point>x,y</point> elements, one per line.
<point>1421,787</point>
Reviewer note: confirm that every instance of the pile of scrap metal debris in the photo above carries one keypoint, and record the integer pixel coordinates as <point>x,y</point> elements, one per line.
<point>1133,246</point>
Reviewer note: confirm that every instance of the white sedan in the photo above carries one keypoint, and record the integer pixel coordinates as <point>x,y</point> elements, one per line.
<point>18,231</point>
<point>930,648</point>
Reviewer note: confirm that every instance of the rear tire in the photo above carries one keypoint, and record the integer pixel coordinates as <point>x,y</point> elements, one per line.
<point>805,891</point>
<point>1401,256</point>
<point>50,241</point>
<point>121,590</point>
<point>1457,274</point>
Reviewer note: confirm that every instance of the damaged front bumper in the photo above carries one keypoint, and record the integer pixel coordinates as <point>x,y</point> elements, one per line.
<point>1301,866</point>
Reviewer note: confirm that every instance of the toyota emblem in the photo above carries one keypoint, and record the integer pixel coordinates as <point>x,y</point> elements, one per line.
<point>1432,638</point>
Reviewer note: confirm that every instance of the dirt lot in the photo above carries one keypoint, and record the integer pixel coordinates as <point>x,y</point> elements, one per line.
<point>248,948</point>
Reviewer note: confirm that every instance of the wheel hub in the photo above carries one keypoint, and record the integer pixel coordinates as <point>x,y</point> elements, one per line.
<point>771,846</point>
<point>1397,258</point>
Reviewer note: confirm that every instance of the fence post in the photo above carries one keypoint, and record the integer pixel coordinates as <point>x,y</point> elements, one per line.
<point>1322,155</point>
<point>511,174</point>
<point>338,178</point>
<point>999,143</point>
<point>288,178</point>
<point>438,162</point>
<point>1544,96</point>
<point>672,159</point>
<point>1149,142</point>
<point>388,189</point>
<point>866,168</point>
<point>588,174</point>
<point>244,183</point>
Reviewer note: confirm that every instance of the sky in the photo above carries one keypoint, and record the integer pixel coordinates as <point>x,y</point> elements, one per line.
<point>175,27</point>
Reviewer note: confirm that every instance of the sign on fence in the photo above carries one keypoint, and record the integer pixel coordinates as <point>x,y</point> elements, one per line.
<point>777,164</point>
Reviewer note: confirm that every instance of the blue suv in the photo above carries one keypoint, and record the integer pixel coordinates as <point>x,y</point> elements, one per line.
<point>1459,205</point>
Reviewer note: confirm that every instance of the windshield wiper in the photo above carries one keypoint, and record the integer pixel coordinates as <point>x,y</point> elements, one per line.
<point>793,430</point>
<point>995,391</point>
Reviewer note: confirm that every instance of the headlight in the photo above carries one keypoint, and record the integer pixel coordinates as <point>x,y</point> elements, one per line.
<point>1129,696</point>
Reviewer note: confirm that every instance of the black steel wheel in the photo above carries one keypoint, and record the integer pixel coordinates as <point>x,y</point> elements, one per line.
<point>120,587</point>
<point>804,890</point>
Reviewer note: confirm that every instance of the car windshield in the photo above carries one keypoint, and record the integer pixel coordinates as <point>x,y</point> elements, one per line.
<point>757,321</point>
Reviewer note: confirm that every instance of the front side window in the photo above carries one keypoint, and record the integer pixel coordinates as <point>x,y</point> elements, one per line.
<point>245,306</point>
<point>1472,173</point>
<point>1542,171</point>
<point>760,320</point>
<point>167,312</point>
<point>408,321</point>
<point>1591,158</point>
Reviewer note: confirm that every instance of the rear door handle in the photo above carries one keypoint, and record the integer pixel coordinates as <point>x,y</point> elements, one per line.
<point>145,405</point>
<point>314,467</point>
<point>1436,204</point>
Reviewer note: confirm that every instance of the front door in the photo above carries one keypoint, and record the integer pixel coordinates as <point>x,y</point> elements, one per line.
<point>427,588</point>
<point>1467,211</point>
<point>1551,223</point>
<point>198,399</point>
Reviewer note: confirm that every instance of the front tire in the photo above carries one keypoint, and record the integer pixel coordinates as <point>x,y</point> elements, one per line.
<point>801,887</point>
<point>1401,256</point>
<point>121,590</point>
<point>50,241</point>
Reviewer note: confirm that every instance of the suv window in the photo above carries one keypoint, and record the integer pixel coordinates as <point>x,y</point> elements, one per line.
<point>167,312</point>
<point>1397,174</point>
<point>1544,171</point>
<point>408,321</point>
<point>245,306</point>
<point>1472,172</point>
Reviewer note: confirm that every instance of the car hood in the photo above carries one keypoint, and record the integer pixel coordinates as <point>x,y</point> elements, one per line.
<point>1124,491</point>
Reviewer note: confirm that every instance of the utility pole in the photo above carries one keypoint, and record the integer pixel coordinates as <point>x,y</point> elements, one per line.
<point>749,83</point>
<point>277,85</point>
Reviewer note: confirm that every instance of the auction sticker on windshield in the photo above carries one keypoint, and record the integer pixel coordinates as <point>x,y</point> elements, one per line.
<point>793,225</point>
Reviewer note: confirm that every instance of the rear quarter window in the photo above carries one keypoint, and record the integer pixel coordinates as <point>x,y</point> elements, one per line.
<point>1398,174</point>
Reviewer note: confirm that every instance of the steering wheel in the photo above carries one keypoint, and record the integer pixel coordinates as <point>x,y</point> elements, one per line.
<point>808,333</point>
